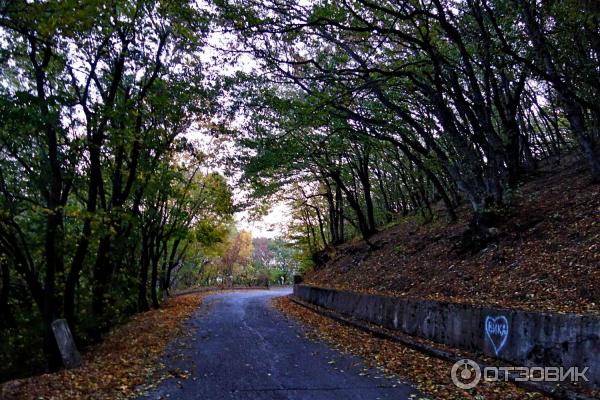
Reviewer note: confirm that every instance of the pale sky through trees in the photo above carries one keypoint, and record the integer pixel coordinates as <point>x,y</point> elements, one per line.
<point>273,224</point>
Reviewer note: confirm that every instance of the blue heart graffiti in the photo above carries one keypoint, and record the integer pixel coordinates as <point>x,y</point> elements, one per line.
<point>496,329</point>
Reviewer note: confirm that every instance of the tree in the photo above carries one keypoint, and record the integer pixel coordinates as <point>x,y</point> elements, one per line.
<point>452,86</point>
<point>96,98</point>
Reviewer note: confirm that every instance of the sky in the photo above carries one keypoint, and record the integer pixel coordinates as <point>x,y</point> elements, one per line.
<point>275,222</point>
<point>271,225</point>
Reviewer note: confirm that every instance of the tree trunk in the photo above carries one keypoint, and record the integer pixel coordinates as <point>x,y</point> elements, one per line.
<point>100,287</point>
<point>573,109</point>
<point>143,277</point>
<point>7,320</point>
<point>155,258</point>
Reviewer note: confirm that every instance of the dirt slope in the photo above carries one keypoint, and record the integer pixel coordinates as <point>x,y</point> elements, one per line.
<point>546,255</point>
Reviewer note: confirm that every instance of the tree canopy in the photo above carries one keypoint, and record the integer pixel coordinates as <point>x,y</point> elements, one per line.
<point>354,113</point>
<point>382,108</point>
<point>100,191</point>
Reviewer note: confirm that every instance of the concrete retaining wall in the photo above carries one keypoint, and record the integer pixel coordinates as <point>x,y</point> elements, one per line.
<point>519,337</point>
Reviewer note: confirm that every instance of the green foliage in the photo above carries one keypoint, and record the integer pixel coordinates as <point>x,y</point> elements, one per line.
<point>237,259</point>
<point>101,194</point>
<point>355,114</point>
<point>363,112</point>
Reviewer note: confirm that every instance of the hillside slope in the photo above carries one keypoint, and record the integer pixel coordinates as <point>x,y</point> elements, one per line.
<point>546,255</point>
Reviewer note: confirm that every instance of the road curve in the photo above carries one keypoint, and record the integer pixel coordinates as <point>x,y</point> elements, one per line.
<point>242,348</point>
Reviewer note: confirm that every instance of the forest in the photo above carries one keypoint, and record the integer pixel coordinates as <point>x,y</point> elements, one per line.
<point>354,113</point>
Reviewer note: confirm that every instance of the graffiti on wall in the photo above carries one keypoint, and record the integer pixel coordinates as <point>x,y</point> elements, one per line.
<point>496,330</point>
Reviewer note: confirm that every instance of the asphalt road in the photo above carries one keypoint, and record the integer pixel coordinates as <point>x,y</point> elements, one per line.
<point>240,347</point>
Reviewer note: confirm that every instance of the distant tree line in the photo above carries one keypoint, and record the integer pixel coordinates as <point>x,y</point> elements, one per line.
<point>240,260</point>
